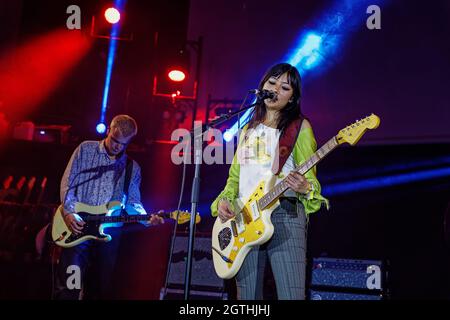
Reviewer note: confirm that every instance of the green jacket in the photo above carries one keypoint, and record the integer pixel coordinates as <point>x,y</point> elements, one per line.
<point>305,146</point>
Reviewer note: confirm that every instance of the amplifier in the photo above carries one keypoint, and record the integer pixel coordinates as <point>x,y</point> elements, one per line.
<point>347,273</point>
<point>52,134</point>
<point>332,295</point>
<point>178,294</point>
<point>203,274</point>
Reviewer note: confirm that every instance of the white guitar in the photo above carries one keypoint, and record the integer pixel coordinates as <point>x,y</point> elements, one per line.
<point>98,218</point>
<point>252,226</point>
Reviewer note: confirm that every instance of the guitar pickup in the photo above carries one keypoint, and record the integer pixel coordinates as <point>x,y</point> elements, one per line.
<point>234,228</point>
<point>254,210</point>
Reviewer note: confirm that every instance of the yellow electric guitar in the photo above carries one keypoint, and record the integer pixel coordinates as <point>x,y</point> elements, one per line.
<point>252,226</point>
<point>98,218</point>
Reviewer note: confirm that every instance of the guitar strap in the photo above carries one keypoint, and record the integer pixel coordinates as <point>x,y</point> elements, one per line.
<point>286,145</point>
<point>128,170</point>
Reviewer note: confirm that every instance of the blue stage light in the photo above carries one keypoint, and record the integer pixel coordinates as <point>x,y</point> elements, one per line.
<point>101,128</point>
<point>119,4</point>
<point>228,136</point>
<point>320,43</point>
<point>383,182</point>
<point>307,55</point>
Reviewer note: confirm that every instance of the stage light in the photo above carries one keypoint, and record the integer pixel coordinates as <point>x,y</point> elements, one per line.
<point>228,136</point>
<point>176,75</point>
<point>384,181</point>
<point>112,15</point>
<point>318,46</point>
<point>101,128</point>
<point>306,55</point>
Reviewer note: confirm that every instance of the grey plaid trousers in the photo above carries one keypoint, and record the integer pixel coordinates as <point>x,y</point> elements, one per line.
<point>286,251</point>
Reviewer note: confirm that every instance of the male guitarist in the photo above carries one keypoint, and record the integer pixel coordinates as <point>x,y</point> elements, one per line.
<point>96,175</point>
<point>277,138</point>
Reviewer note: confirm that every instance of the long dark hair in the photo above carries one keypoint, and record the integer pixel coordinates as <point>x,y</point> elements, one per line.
<point>292,110</point>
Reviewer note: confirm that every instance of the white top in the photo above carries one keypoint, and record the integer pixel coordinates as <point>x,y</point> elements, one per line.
<point>256,156</point>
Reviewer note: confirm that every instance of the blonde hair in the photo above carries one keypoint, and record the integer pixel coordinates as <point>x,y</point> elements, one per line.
<point>125,124</point>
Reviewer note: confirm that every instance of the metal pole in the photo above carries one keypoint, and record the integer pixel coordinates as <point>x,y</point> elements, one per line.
<point>198,151</point>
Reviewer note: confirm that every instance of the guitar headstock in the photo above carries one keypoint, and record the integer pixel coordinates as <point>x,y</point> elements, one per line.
<point>352,133</point>
<point>184,216</point>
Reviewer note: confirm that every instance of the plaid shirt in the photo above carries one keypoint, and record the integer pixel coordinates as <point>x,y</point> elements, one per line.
<point>94,178</point>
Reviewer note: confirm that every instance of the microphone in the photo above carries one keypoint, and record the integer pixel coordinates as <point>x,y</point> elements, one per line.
<point>263,94</point>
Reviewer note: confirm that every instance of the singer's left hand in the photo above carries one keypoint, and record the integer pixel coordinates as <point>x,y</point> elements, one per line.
<point>298,183</point>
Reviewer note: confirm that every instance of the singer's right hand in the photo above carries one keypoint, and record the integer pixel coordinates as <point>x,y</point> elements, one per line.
<point>224,210</point>
<point>74,222</point>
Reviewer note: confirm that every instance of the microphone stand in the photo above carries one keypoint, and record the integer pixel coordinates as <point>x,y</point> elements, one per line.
<point>198,150</point>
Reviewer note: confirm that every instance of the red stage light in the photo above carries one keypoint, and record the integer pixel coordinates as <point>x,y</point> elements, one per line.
<point>112,15</point>
<point>31,72</point>
<point>176,75</point>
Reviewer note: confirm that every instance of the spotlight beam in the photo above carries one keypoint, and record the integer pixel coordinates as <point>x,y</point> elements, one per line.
<point>383,182</point>
<point>319,44</point>
<point>110,64</point>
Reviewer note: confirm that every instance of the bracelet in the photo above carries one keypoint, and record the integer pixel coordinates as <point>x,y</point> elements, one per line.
<point>310,189</point>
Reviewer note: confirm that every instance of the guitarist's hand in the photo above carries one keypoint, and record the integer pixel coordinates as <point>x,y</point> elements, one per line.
<point>74,222</point>
<point>224,210</point>
<point>156,219</point>
<point>298,183</point>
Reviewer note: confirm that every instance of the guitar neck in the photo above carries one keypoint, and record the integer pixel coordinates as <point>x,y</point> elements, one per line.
<point>116,219</point>
<point>282,186</point>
